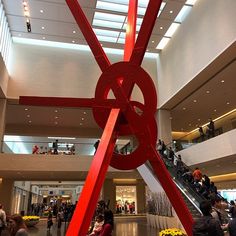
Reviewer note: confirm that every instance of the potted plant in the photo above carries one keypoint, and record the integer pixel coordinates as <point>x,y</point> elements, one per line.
<point>31,220</point>
<point>172,232</point>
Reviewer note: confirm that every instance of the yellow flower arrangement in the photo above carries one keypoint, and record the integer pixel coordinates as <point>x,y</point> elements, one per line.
<point>172,232</point>
<point>31,218</point>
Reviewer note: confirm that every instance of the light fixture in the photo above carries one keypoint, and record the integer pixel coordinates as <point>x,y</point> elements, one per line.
<point>199,119</point>
<point>171,12</point>
<point>222,81</point>
<point>43,27</point>
<point>207,91</point>
<point>153,41</point>
<point>161,27</point>
<point>44,38</point>
<point>80,123</point>
<point>56,111</point>
<point>73,41</point>
<point>28,115</point>
<point>26,109</point>
<point>56,117</point>
<point>19,35</point>
<point>27,15</point>
<point>184,108</point>
<point>227,103</point>
<point>85,113</point>
<point>55,122</point>
<point>74,31</point>
<point>194,100</point>
<point>41,11</point>
<point>30,121</point>
<point>82,118</point>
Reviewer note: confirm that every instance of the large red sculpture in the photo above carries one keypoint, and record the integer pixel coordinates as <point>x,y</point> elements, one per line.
<point>118,116</point>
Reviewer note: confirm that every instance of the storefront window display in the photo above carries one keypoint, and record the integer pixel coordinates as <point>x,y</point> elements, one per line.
<point>126,202</point>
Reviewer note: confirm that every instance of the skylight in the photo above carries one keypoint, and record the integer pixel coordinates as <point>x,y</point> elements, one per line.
<point>107,24</point>
<point>170,32</point>
<point>163,43</point>
<point>112,6</point>
<point>108,33</point>
<point>183,13</point>
<point>190,2</point>
<point>109,17</point>
<point>106,39</point>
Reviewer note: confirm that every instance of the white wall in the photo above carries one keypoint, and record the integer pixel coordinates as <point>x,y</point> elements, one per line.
<point>48,71</point>
<point>206,33</point>
<point>214,148</point>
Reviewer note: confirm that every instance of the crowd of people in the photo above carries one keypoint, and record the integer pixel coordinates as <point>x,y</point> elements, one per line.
<point>70,150</point>
<point>209,132</point>
<point>218,214</point>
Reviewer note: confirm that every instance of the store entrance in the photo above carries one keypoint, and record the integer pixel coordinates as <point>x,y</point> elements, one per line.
<point>126,200</point>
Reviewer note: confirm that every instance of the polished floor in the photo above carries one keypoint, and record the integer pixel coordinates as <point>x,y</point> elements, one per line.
<point>124,226</point>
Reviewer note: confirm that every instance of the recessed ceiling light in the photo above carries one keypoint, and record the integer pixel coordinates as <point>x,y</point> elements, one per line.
<point>227,103</point>
<point>56,117</point>
<point>171,118</point>
<point>43,27</point>
<point>171,12</point>
<point>56,110</point>
<point>41,11</point>
<point>28,115</point>
<point>207,91</point>
<point>85,113</point>
<point>189,124</point>
<point>194,100</point>
<point>199,119</point>
<point>80,123</point>
<point>44,38</point>
<point>19,35</point>
<point>26,109</point>
<point>55,122</point>
<point>82,118</point>
<point>101,44</point>
<point>215,110</point>
<point>74,31</point>
<point>147,50</point>
<point>184,108</point>
<point>161,27</point>
<point>30,121</point>
<point>153,41</point>
<point>222,81</point>
<point>73,41</point>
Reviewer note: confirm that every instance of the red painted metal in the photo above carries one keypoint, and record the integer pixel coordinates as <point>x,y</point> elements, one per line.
<point>120,78</point>
<point>145,31</point>
<point>94,181</point>
<point>130,29</point>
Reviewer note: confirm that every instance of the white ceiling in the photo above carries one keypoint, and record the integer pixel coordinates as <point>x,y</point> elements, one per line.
<point>59,24</point>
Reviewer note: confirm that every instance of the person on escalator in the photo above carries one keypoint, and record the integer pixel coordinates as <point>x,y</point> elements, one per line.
<point>207,225</point>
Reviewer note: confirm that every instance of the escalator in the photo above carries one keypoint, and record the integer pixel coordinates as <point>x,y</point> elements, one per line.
<point>191,198</point>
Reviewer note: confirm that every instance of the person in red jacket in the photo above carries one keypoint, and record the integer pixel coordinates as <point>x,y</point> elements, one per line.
<point>197,175</point>
<point>108,224</point>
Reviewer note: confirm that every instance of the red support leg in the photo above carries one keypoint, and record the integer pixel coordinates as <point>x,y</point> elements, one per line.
<point>145,31</point>
<point>88,200</point>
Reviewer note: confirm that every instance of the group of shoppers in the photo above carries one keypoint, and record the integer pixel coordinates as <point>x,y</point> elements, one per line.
<point>15,225</point>
<point>214,221</point>
<point>209,132</point>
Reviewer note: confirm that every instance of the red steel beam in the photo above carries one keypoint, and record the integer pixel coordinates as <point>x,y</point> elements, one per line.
<point>145,31</point>
<point>88,200</point>
<point>89,35</point>
<point>130,29</point>
<point>171,191</point>
<point>67,102</point>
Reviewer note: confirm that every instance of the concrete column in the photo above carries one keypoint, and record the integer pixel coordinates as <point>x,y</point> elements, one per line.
<point>109,193</point>
<point>3,105</point>
<point>141,196</point>
<point>164,125</point>
<point>6,194</point>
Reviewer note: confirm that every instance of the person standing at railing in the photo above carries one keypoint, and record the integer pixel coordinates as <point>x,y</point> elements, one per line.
<point>201,132</point>
<point>35,149</point>
<point>55,147</point>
